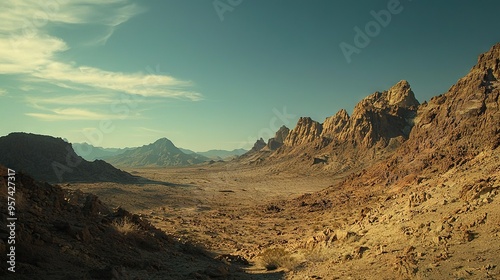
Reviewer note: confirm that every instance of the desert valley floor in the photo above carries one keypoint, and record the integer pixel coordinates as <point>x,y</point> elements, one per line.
<point>300,227</point>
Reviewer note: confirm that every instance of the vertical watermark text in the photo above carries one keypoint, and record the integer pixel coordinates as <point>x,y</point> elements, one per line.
<point>11,220</point>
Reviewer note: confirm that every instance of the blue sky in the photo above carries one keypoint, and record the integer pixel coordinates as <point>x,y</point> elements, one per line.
<point>220,74</point>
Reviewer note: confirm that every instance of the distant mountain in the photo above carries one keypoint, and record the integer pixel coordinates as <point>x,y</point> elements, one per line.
<point>216,154</point>
<point>52,159</point>
<point>160,153</point>
<point>90,153</point>
<point>222,154</point>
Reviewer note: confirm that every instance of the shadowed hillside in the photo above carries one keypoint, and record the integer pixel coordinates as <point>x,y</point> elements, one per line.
<point>54,160</point>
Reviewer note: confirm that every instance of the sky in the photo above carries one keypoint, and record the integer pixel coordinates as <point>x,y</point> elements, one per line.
<point>221,74</point>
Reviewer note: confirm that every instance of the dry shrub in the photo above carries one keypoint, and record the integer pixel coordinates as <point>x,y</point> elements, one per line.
<point>124,226</point>
<point>320,254</point>
<point>274,258</point>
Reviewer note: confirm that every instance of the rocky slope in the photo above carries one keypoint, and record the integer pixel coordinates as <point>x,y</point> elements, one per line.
<point>160,153</point>
<point>54,160</point>
<point>451,129</point>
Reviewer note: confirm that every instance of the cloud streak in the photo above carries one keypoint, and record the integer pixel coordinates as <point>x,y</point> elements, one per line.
<point>77,99</point>
<point>71,114</point>
<point>147,85</point>
<point>30,52</point>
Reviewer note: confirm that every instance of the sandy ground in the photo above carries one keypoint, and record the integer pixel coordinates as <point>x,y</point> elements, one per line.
<point>440,228</point>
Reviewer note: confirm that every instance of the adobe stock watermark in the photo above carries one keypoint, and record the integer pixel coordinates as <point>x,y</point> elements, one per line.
<point>363,37</point>
<point>223,6</point>
<point>39,19</point>
<point>122,107</point>
<point>11,219</point>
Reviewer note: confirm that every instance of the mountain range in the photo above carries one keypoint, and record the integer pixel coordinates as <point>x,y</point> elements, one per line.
<point>160,153</point>
<point>217,154</point>
<point>90,152</point>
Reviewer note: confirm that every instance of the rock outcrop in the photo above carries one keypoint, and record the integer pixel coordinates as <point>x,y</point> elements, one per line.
<point>278,140</point>
<point>257,146</point>
<point>335,124</point>
<point>306,131</point>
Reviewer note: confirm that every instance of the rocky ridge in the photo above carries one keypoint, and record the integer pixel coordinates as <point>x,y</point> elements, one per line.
<point>278,140</point>
<point>376,119</point>
<point>379,124</point>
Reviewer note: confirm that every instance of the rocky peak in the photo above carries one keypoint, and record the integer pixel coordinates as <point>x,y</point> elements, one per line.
<point>259,144</point>
<point>305,131</point>
<point>401,95</point>
<point>164,143</point>
<point>398,96</point>
<point>277,141</point>
<point>335,124</point>
<point>490,60</point>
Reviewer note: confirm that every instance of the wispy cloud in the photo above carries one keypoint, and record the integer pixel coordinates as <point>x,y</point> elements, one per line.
<point>73,114</point>
<point>30,51</point>
<point>77,99</point>
<point>136,83</point>
<point>152,130</point>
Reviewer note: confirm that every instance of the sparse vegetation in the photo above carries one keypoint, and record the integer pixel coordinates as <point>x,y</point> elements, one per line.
<point>320,254</point>
<point>124,226</point>
<point>274,258</point>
